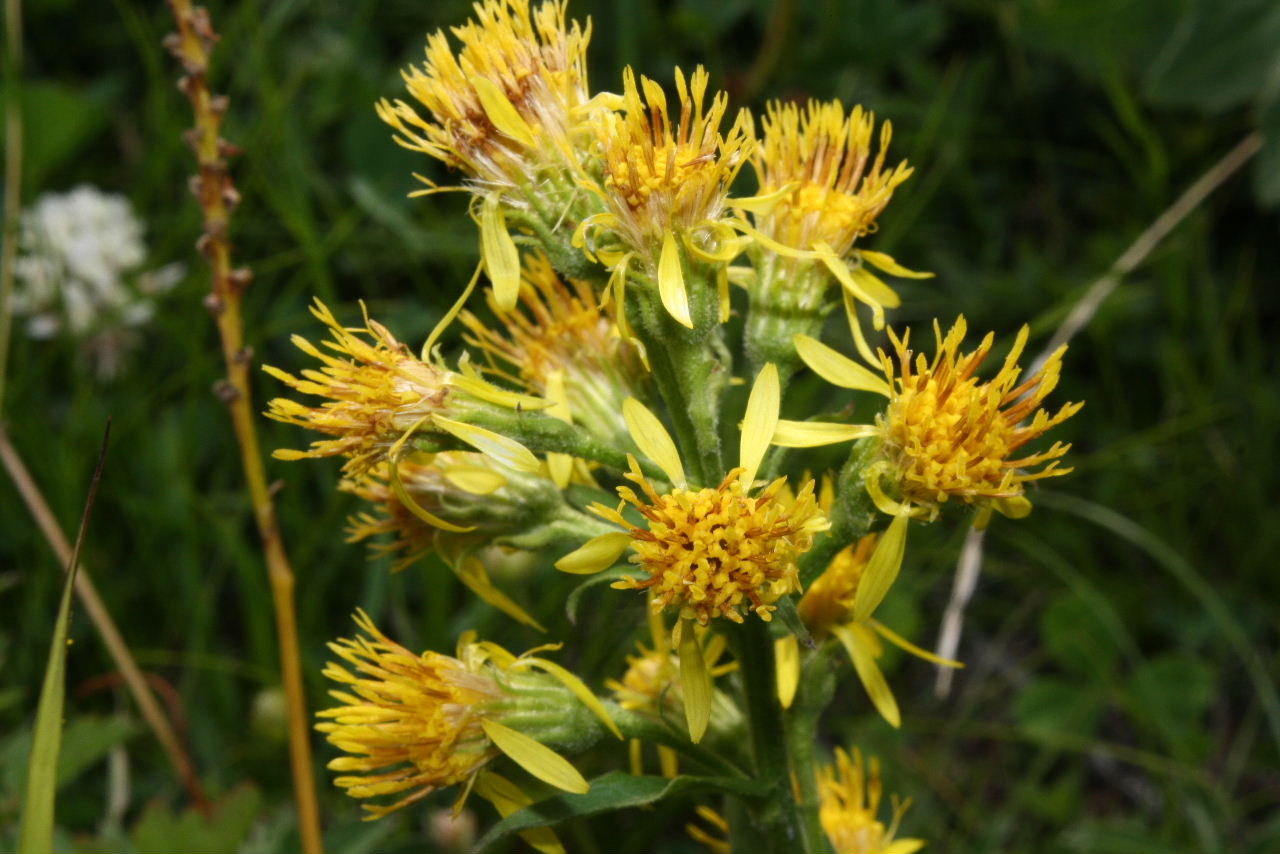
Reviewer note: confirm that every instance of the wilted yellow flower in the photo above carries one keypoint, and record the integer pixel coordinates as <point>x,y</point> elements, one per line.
<point>830,598</point>
<point>820,191</point>
<point>561,344</point>
<point>661,175</point>
<point>506,102</point>
<point>454,499</point>
<point>511,110</point>
<point>851,805</point>
<point>417,715</point>
<point>651,682</point>
<point>456,502</point>
<point>380,393</point>
<point>411,537</point>
<point>815,166</point>
<point>416,723</point>
<point>709,552</point>
<point>945,434</point>
<point>666,184</point>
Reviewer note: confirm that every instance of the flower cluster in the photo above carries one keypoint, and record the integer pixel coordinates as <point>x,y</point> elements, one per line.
<point>79,273</point>
<point>586,427</point>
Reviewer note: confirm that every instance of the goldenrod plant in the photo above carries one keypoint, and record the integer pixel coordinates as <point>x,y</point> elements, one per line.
<point>594,421</point>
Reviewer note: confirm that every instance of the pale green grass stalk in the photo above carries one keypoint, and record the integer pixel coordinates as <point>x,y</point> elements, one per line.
<point>102,621</point>
<point>42,766</point>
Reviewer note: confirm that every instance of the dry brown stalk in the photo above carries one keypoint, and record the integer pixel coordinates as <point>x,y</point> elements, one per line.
<point>217,195</point>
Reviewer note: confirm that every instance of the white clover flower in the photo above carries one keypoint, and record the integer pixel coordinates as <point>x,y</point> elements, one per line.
<point>78,273</point>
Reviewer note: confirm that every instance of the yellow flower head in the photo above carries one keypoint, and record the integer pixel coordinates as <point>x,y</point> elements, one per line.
<point>841,602</point>
<point>663,177</point>
<point>651,682</point>
<point>713,551</point>
<point>830,599</point>
<point>717,552</point>
<point>947,434</point>
<point>407,722</point>
<point>850,806</point>
<point>560,345</point>
<point>824,156</point>
<point>512,94</point>
<point>416,723</point>
<point>379,393</point>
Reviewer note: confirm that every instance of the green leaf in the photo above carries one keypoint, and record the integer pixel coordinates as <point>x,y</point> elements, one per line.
<point>1174,692</point>
<point>60,120</point>
<point>42,766</point>
<point>1217,55</point>
<point>613,791</point>
<point>1056,801</point>
<point>161,831</point>
<point>85,741</point>
<point>1077,637</point>
<point>1050,708</point>
<point>46,741</point>
<point>88,739</point>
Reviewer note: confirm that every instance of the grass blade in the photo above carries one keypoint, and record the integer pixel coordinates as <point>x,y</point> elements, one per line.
<point>42,768</point>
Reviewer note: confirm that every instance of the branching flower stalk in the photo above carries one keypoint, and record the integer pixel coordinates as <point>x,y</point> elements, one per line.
<point>591,427</point>
<point>217,196</point>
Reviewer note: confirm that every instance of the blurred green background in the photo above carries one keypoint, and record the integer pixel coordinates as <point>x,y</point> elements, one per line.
<point>1122,644</point>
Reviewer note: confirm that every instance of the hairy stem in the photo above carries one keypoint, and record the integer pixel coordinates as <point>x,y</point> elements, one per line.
<point>817,686</point>
<point>776,816</point>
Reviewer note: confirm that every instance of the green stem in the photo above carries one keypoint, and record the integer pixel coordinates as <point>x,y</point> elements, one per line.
<point>691,368</point>
<point>787,300</point>
<point>776,816</point>
<point>543,433</point>
<point>851,517</point>
<point>664,364</point>
<point>817,686</point>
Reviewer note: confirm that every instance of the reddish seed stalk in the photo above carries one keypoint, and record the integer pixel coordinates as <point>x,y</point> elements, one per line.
<point>217,196</point>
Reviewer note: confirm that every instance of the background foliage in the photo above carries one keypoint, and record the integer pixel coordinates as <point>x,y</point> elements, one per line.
<point>1109,702</point>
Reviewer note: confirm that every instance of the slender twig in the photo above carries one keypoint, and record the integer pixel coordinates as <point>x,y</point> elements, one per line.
<point>217,195</point>
<point>970,563</point>
<point>1084,310</point>
<point>12,175</point>
<point>102,621</point>
<point>968,568</point>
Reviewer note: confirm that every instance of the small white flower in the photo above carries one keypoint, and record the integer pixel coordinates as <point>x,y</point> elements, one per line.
<point>78,273</point>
